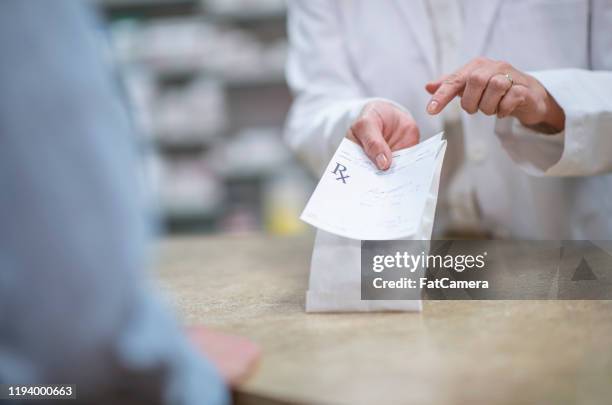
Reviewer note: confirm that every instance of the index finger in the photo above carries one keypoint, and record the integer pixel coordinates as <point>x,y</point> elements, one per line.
<point>451,87</point>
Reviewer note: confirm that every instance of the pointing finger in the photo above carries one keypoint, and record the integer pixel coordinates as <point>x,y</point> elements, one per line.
<point>450,88</point>
<point>455,85</point>
<point>432,87</point>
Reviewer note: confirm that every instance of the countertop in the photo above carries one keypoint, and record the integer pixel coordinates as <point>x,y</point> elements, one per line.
<point>454,352</point>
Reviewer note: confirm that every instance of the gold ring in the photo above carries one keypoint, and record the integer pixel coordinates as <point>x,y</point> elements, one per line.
<point>509,77</point>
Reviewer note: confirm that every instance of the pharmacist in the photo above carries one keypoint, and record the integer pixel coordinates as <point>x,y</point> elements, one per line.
<point>522,88</point>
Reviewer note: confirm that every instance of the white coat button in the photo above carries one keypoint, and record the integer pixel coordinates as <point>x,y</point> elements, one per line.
<point>477,153</point>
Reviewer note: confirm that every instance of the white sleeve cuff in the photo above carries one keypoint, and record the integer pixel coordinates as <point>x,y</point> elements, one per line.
<point>535,153</point>
<point>584,147</point>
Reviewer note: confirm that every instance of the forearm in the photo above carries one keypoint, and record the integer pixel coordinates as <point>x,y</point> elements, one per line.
<point>552,116</point>
<point>316,125</point>
<point>584,146</point>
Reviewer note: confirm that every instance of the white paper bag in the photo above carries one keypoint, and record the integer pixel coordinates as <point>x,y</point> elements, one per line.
<point>335,270</point>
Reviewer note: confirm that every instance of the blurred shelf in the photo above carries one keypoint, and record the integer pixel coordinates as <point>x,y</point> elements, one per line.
<point>255,81</point>
<point>251,177</point>
<point>185,73</point>
<point>256,97</point>
<point>190,221</point>
<point>182,146</point>
<point>166,8</point>
<point>245,16</point>
<point>149,8</point>
<point>144,3</point>
<point>194,213</point>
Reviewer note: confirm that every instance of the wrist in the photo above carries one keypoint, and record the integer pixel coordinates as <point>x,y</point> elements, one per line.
<point>551,117</point>
<point>554,118</point>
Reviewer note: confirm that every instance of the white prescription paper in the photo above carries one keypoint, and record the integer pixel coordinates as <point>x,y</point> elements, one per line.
<point>356,200</point>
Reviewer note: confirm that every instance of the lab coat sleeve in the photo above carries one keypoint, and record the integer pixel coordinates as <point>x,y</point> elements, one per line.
<point>584,148</point>
<point>328,97</point>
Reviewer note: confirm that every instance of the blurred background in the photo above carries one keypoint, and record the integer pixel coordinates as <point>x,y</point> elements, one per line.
<point>205,82</point>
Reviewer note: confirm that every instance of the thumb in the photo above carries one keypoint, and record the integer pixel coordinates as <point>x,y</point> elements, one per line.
<point>369,135</point>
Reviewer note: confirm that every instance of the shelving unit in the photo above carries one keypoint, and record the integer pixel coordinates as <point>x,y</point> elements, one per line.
<point>187,63</point>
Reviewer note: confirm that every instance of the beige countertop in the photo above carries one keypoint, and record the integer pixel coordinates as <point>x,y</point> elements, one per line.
<point>454,352</point>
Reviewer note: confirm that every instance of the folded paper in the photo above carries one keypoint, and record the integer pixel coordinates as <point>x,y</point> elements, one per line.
<point>353,202</point>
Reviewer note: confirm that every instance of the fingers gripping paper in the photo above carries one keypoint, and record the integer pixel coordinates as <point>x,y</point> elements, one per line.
<point>355,201</point>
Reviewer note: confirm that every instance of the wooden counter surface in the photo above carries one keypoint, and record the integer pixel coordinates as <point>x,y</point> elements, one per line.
<point>454,352</point>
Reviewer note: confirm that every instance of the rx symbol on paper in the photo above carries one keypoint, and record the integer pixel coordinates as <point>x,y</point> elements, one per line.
<point>340,172</point>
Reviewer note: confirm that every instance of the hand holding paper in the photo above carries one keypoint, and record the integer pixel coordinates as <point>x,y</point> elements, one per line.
<point>355,201</point>
<point>382,128</point>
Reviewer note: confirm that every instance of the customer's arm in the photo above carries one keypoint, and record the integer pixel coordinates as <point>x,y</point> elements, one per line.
<point>74,307</point>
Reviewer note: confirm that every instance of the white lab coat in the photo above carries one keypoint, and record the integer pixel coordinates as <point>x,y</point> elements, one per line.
<point>343,53</point>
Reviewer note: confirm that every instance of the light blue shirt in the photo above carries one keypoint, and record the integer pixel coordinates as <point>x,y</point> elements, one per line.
<point>74,304</point>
